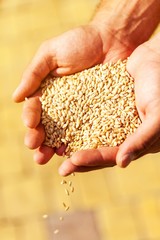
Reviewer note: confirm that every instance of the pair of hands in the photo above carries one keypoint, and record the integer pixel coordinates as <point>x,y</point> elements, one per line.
<point>74,51</point>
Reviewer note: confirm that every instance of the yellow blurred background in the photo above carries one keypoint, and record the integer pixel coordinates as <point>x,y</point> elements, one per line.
<point>122,204</point>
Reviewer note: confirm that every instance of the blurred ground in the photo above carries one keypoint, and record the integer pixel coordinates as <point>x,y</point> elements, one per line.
<point>125,203</point>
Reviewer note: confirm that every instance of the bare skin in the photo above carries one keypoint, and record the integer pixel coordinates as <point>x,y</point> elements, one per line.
<point>82,48</point>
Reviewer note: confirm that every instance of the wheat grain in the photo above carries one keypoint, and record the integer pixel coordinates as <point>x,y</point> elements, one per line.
<point>92,108</point>
<point>56,231</point>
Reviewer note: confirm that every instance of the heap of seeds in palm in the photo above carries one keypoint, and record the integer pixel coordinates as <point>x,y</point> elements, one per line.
<point>89,109</point>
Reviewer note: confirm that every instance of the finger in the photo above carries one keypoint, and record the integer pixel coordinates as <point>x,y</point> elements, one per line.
<point>43,62</point>
<point>60,151</point>
<point>31,114</point>
<point>68,168</point>
<point>43,154</point>
<point>34,137</point>
<point>155,148</point>
<point>92,158</point>
<point>140,142</point>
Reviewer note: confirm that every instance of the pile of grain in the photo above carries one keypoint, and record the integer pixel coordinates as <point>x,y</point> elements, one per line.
<point>89,109</point>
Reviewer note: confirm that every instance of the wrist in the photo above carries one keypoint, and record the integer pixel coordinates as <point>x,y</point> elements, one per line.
<point>115,42</point>
<point>130,23</point>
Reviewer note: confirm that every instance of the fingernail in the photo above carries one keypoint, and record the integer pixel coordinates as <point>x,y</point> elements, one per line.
<point>126,159</point>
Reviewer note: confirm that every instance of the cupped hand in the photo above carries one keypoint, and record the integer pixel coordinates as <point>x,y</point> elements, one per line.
<point>144,66</point>
<point>71,52</point>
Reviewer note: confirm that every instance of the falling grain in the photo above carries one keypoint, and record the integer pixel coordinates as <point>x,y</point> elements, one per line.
<point>63,182</point>
<point>72,189</point>
<point>70,183</point>
<point>64,205</point>
<point>56,231</point>
<point>45,216</point>
<point>66,191</point>
<point>67,208</point>
<point>61,218</point>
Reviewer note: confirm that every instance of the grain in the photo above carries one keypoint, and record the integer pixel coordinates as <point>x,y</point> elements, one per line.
<point>61,218</point>
<point>66,191</point>
<point>64,205</point>
<point>89,109</point>
<point>45,216</point>
<point>67,208</point>
<point>56,231</point>
<point>63,182</point>
<point>70,183</point>
<point>72,189</point>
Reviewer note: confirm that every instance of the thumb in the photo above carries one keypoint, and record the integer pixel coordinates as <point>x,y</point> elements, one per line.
<point>43,62</point>
<point>138,144</point>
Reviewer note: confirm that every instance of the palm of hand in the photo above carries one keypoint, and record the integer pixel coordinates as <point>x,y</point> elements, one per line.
<point>144,66</point>
<point>71,52</point>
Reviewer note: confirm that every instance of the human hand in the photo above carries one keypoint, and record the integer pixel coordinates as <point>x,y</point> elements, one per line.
<point>144,66</point>
<point>73,51</point>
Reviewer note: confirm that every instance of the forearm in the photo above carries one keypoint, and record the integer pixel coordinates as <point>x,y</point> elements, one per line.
<point>132,22</point>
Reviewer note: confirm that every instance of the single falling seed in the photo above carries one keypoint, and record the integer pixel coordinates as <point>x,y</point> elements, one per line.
<point>61,218</point>
<point>67,208</point>
<point>73,174</point>
<point>56,231</point>
<point>70,183</point>
<point>45,216</point>
<point>63,182</point>
<point>72,189</point>
<point>66,191</point>
<point>64,205</point>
